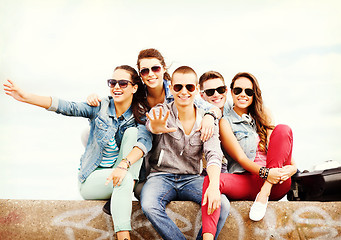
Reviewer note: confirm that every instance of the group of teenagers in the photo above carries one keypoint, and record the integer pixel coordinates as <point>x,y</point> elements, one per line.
<point>177,137</point>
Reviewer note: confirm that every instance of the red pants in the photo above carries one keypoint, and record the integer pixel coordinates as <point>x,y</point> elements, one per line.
<point>246,186</point>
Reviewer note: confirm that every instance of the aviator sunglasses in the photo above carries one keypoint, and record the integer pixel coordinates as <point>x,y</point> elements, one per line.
<point>189,87</point>
<point>248,91</point>
<point>122,83</point>
<point>145,71</point>
<point>210,92</point>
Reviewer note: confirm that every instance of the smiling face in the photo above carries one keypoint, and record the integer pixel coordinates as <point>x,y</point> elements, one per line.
<point>121,95</point>
<point>242,101</point>
<point>152,79</point>
<point>216,99</point>
<point>184,97</point>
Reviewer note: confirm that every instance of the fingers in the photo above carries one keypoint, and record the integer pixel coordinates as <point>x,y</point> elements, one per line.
<point>212,206</point>
<point>206,134</point>
<point>148,116</point>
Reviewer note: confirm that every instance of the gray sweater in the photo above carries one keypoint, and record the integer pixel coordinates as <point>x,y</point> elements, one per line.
<point>179,153</point>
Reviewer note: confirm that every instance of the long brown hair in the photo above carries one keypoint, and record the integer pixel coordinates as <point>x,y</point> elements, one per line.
<point>153,53</point>
<point>139,103</point>
<point>256,110</point>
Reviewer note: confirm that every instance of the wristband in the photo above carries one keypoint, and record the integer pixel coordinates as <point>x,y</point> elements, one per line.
<point>264,172</point>
<point>212,114</point>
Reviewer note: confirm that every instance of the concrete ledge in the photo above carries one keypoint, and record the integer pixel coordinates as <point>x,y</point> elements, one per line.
<point>45,219</point>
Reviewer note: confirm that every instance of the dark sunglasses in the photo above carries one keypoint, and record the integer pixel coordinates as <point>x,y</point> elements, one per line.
<point>248,91</point>
<point>122,83</point>
<point>189,87</point>
<point>145,71</point>
<point>210,92</point>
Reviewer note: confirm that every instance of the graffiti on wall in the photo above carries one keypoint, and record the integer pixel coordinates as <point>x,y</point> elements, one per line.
<point>322,227</point>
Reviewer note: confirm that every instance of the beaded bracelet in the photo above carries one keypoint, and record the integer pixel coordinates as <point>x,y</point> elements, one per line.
<point>126,161</point>
<point>123,168</point>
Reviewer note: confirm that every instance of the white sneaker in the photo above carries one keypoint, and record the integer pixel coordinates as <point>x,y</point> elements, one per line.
<point>257,211</point>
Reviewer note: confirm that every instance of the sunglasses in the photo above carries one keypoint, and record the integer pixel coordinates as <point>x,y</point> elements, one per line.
<point>248,91</point>
<point>210,92</point>
<point>145,71</point>
<point>189,87</point>
<point>122,83</point>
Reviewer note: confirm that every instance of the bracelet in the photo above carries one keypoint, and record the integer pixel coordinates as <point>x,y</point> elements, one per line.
<point>122,168</point>
<point>264,172</point>
<point>127,162</point>
<point>212,114</point>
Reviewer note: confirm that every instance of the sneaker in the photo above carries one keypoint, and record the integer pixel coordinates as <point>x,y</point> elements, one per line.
<point>106,207</point>
<point>257,211</point>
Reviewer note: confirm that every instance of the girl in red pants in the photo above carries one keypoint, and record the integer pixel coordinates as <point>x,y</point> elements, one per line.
<point>258,154</point>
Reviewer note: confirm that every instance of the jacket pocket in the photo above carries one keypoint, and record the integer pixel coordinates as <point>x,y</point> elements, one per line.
<point>240,135</point>
<point>195,144</point>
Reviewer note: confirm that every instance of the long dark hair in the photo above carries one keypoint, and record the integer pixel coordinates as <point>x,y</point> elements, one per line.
<point>153,53</point>
<point>256,110</point>
<point>139,103</point>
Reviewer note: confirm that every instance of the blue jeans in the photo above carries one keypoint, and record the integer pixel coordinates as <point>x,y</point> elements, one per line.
<point>159,190</point>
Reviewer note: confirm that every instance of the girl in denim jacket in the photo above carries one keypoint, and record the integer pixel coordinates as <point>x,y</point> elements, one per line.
<point>117,142</point>
<point>259,155</point>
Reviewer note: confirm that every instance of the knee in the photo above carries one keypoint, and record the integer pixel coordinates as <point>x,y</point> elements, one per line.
<point>149,205</point>
<point>283,130</point>
<point>130,132</point>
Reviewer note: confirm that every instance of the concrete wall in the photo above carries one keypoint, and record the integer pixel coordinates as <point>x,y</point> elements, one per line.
<point>43,219</point>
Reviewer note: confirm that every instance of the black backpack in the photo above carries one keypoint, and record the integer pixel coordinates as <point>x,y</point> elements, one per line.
<point>322,185</point>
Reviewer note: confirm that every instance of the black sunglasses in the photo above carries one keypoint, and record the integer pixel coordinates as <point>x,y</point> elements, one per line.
<point>210,92</point>
<point>248,91</point>
<point>145,71</point>
<point>178,87</point>
<point>122,83</point>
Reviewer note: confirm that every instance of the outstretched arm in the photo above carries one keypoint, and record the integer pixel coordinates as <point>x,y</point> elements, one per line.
<point>18,94</point>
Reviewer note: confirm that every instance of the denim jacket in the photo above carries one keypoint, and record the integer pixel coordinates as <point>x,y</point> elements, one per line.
<point>244,129</point>
<point>103,125</point>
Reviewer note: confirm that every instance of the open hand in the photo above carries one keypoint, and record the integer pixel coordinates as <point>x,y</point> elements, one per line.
<point>158,124</point>
<point>11,89</point>
<point>212,198</point>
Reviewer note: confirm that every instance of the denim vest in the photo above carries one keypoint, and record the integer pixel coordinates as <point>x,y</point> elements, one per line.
<point>103,125</point>
<point>244,129</point>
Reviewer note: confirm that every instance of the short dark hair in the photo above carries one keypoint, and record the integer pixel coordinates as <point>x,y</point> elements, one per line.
<point>184,70</point>
<point>209,75</point>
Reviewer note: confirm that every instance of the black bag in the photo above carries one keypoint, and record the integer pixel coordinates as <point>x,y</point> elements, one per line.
<point>323,185</point>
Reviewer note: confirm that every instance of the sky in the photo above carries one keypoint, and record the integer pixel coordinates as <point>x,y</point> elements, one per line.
<point>69,48</point>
